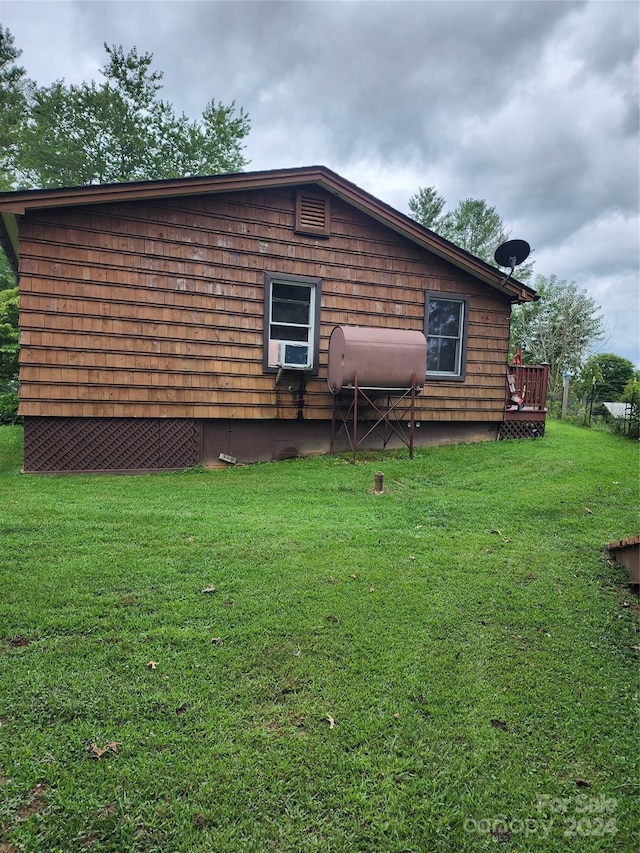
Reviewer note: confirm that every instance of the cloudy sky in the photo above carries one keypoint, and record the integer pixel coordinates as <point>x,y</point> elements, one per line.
<point>532,106</point>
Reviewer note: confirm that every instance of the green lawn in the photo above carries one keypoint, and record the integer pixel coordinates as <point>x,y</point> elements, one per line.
<point>449,666</point>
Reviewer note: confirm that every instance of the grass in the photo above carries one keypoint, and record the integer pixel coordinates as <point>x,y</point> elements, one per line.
<point>447,666</point>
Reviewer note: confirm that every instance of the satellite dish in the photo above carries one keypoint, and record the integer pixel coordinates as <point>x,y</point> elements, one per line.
<point>511,254</point>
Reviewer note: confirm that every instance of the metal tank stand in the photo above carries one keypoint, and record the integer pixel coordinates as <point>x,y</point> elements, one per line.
<point>350,403</point>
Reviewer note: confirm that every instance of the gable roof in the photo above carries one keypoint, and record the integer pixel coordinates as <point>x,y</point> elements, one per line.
<point>17,203</point>
<point>618,410</point>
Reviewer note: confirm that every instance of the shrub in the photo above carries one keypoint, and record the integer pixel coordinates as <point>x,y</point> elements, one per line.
<point>9,408</point>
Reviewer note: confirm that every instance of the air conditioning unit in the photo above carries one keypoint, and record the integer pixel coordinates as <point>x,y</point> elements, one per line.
<point>294,356</point>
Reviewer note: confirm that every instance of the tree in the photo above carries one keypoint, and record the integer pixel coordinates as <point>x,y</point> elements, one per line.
<point>631,391</point>
<point>15,92</point>
<point>9,348</point>
<point>476,227</point>
<point>9,120</point>
<point>120,130</point>
<point>589,380</point>
<point>9,335</point>
<point>117,131</point>
<point>558,329</point>
<point>605,376</point>
<point>426,207</point>
<point>7,276</point>
<point>473,225</point>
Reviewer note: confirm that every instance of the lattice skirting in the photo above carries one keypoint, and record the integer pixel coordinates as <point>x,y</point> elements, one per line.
<point>110,444</point>
<point>521,429</point>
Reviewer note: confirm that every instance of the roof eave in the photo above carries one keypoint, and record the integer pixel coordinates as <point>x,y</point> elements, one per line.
<point>427,239</point>
<point>20,201</point>
<point>14,204</point>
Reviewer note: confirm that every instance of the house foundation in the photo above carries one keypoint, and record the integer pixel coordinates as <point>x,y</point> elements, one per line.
<point>131,445</point>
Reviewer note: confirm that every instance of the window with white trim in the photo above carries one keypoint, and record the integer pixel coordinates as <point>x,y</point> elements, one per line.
<point>292,307</point>
<point>446,334</point>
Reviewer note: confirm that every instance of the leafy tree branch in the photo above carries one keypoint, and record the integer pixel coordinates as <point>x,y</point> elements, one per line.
<point>558,329</point>
<point>473,225</point>
<point>121,130</point>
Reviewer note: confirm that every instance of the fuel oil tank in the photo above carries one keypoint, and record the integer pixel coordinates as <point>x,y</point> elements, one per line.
<point>383,359</point>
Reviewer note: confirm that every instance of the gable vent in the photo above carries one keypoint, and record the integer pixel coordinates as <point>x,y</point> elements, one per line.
<point>313,215</point>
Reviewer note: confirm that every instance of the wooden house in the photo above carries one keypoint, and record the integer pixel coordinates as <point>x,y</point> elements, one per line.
<point>157,319</point>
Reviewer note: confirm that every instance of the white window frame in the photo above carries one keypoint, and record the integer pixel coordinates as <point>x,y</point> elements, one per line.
<point>457,375</point>
<point>271,362</point>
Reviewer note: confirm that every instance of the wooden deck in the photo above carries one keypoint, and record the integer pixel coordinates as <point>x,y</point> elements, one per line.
<point>528,419</point>
<point>627,552</point>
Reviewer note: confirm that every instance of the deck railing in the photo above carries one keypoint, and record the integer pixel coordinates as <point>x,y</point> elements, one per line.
<point>531,384</point>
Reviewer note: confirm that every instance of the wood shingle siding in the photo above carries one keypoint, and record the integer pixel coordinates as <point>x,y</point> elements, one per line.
<point>156,302</point>
<point>157,308</point>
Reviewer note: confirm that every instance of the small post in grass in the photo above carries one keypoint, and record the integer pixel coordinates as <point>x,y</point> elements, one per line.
<point>565,394</point>
<point>379,486</point>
